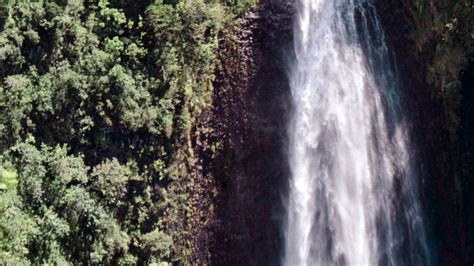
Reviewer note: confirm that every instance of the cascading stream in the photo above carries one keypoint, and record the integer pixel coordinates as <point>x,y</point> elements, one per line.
<point>353,197</point>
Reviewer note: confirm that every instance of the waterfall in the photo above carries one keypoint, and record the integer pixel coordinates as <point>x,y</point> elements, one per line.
<point>353,187</point>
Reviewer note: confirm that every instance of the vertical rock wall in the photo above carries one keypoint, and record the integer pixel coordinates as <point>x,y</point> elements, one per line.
<point>251,104</point>
<point>251,107</point>
<point>442,194</point>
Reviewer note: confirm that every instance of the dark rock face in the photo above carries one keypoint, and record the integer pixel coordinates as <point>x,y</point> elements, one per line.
<point>466,139</point>
<point>441,195</point>
<point>251,104</point>
<point>250,111</point>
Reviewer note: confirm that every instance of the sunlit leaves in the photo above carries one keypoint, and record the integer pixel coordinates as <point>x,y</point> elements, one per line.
<point>97,102</point>
<point>110,180</point>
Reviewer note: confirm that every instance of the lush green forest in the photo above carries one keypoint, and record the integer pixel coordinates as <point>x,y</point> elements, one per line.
<point>98,99</point>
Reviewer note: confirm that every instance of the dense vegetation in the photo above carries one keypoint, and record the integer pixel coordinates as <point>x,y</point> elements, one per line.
<point>443,32</point>
<point>98,105</point>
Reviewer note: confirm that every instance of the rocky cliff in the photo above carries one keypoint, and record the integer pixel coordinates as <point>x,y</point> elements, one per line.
<point>439,156</point>
<point>251,107</point>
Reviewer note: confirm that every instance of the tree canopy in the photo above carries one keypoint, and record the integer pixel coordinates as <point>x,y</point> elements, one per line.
<point>98,99</point>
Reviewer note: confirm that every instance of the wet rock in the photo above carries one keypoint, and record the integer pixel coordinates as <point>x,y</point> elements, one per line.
<point>251,104</point>
<point>438,170</point>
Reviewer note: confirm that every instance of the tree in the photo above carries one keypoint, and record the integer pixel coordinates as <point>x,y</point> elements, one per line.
<point>98,100</point>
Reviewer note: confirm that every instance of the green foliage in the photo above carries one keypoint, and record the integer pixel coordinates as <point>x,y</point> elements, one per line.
<point>95,236</point>
<point>66,221</point>
<point>239,6</point>
<point>8,179</point>
<point>110,180</point>
<point>156,245</point>
<point>17,229</point>
<point>444,32</point>
<point>98,100</point>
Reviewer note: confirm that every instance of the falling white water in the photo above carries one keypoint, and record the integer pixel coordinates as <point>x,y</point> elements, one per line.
<point>353,197</point>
